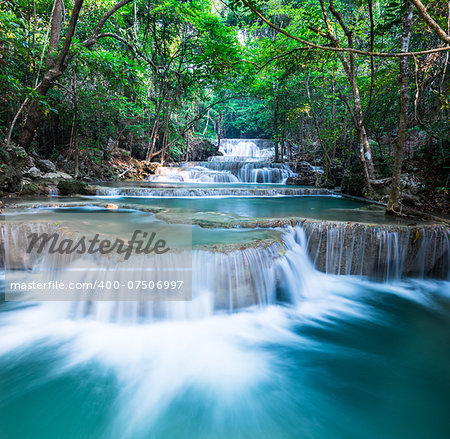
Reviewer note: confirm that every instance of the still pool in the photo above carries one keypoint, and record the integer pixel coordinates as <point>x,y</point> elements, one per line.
<point>332,208</point>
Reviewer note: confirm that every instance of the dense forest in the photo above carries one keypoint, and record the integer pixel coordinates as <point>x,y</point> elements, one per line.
<point>102,88</point>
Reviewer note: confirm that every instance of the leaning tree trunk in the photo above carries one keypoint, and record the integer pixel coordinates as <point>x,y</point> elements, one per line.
<point>35,112</point>
<point>57,64</point>
<point>55,36</point>
<point>393,203</point>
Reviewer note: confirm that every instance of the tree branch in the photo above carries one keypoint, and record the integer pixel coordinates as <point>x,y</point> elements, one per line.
<point>282,55</point>
<point>341,49</point>
<point>431,23</point>
<point>93,38</point>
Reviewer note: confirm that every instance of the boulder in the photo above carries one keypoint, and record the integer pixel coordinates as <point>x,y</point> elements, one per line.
<point>46,165</point>
<point>307,175</point>
<point>29,188</point>
<point>72,187</point>
<point>56,176</point>
<point>33,172</point>
<point>48,190</point>
<point>12,161</point>
<point>203,149</point>
<point>411,184</point>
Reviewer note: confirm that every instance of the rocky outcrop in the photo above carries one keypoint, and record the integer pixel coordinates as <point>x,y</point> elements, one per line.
<point>24,174</point>
<point>12,161</point>
<point>203,149</point>
<point>46,165</point>
<point>307,175</point>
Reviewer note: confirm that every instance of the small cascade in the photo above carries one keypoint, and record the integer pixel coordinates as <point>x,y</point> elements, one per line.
<point>142,191</point>
<point>224,172</point>
<point>235,149</point>
<point>221,282</point>
<point>251,172</point>
<point>383,252</point>
<point>194,174</point>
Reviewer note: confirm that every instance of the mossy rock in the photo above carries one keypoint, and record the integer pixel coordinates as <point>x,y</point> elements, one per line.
<point>12,160</point>
<point>72,187</point>
<point>30,189</point>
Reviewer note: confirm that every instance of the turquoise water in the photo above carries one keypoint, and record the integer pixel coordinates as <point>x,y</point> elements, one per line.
<point>120,223</point>
<point>318,357</point>
<point>315,207</point>
<point>354,360</point>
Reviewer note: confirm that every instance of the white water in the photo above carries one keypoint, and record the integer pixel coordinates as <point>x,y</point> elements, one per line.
<point>205,191</point>
<point>269,347</point>
<point>259,276</point>
<point>234,149</point>
<point>243,161</point>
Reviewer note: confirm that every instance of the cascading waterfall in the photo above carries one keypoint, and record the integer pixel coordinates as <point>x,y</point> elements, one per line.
<point>243,161</point>
<point>267,336</point>
<point>221,282</point>
<point>257,276</point>
<point>193,174</point>
<point>250,172</point>
<point>246,149</point>
<point>377,251</point>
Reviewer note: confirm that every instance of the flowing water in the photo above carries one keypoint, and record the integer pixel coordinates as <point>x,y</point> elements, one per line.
<point>268,347</point>
<point>243,161</point>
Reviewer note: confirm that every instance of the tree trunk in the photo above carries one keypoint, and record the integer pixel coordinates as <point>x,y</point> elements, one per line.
<point>365,151</point>
<point>55,34</point>
<point>58,63</point>
<point>35,112</point>
<point>275,130</point>
<point>429,20</point>
<point>58,67</point>
<point>393,203</point>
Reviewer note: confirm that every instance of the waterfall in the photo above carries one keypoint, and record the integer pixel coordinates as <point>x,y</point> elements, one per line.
<point>194,174</point>
<point>246,149</point>
<point>251,172</point>
<point>243,161</point>
<point>173,192</point>
<point>224,172</point>
<point>262,275</point>
<point>383,252</point>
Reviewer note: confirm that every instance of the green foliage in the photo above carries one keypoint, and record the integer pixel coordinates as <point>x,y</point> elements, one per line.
<point>193,67</point>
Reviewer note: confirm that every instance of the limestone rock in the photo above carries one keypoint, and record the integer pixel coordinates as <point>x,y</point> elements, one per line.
<point>46,165</point>
<point>410,184</point>
<point>33,172</point>
<point>56,176</point>
<point>12,161</point>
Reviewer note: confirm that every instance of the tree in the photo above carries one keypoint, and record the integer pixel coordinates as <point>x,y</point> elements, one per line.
<point>393,203</point>
<point>58,63</point>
